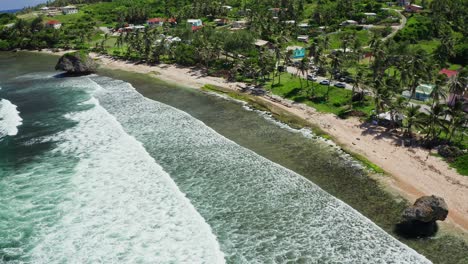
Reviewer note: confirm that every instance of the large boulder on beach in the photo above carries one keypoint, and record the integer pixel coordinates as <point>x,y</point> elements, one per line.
<point>427,209</point>
<point>76,63</point>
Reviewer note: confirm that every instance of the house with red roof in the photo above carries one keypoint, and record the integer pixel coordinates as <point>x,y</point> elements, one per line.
<point>55,24</point>
<point>156,22</point>
<point>448,73</point>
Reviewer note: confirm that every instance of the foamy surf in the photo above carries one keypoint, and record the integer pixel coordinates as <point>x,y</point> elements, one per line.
<point>10,119</point>
<point>122,207</point>
<point>260,211</point>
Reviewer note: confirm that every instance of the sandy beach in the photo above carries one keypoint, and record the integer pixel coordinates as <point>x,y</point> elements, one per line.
<point>413,172</point>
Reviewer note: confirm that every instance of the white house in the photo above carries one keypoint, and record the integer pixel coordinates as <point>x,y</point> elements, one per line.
<point>55,24</point>
<point>67,10</point>
<point>195,22</point>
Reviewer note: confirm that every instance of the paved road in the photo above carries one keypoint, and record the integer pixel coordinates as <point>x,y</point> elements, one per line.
<point>397,28</point>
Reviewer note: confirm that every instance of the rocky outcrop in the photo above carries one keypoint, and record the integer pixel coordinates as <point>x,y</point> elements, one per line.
<point>427,209</point>
<point>76,63</point>
<point>419,220</point>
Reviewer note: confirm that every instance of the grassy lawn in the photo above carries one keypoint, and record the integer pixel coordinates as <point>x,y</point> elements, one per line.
<point>339,99</point>
<point>364,37</point>
<point>428,45</point>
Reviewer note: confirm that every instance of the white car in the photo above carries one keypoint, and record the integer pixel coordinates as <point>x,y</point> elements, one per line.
<point>325,82</point>
<point>311,77</point>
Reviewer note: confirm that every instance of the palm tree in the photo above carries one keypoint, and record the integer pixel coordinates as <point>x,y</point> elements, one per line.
<point>302,70</point>
<point>457,86</point>
<point>413,117</point>
<point>458,119</point>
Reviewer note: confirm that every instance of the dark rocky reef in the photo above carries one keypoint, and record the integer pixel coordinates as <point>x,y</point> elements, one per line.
<point>419,220</point>
<point>76,64</point>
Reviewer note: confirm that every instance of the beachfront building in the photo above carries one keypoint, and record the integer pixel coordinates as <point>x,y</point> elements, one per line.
<point>424,92</point>
<point>68,10</point>
<point>297,52</point>
<point>155,22</point>
<point>55,24</point>
<point>195,22</point>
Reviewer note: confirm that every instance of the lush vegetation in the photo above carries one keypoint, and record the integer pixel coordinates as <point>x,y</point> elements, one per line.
<point>380,68</point>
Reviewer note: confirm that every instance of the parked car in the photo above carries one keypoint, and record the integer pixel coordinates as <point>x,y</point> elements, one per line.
<point>325,82</point>
<point>311,77</point>
<point>347,79</point>
<point>340,85</point>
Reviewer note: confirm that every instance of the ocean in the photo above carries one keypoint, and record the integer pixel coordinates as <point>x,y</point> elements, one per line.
<point>92,171</point>
<point>11,11</point>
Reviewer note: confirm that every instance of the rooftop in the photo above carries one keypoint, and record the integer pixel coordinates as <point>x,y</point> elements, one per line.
<point>448,72</point>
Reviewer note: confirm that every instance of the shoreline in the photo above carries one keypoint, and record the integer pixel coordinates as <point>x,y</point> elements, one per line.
<point>410,172</point>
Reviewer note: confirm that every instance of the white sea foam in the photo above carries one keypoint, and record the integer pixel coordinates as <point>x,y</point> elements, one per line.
<point>10,119</point>
<point>122,208</point>
<point>261,211</point>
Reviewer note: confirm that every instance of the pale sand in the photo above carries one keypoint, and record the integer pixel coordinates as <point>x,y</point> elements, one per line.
<point>413,172</point>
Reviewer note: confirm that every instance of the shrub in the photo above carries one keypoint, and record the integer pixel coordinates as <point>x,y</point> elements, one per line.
<point>449,152</point>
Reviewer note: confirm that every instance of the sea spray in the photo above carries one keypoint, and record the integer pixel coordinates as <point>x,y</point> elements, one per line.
<point>123,207</point>
<point>10,119</point>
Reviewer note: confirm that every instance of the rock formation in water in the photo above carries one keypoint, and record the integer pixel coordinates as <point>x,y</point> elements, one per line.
<point>76,63</point>
<point>420,218</point>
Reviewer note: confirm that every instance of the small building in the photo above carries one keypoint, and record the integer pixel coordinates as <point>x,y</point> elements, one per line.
<point>297,52</point>
<point>55,24</point>
<point>227,8</point>
<point>290,22</point>
<point>155,22</point>
<point>413,8</point>
<point>196,28</point>
<point>195,22</point>
<point>221,21</point>
<point>448,73</point>
<point>68,10</point>
<point>303,25</point>
<point>349,23</point>
<point>44,9</point>
<point>263,44</point>
<point>303,38</point>
<point>239,24</point>
<point>424,92</point>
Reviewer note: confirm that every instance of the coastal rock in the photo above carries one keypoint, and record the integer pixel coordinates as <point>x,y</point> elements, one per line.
<point>427,209</point>
<point>76,63</point>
